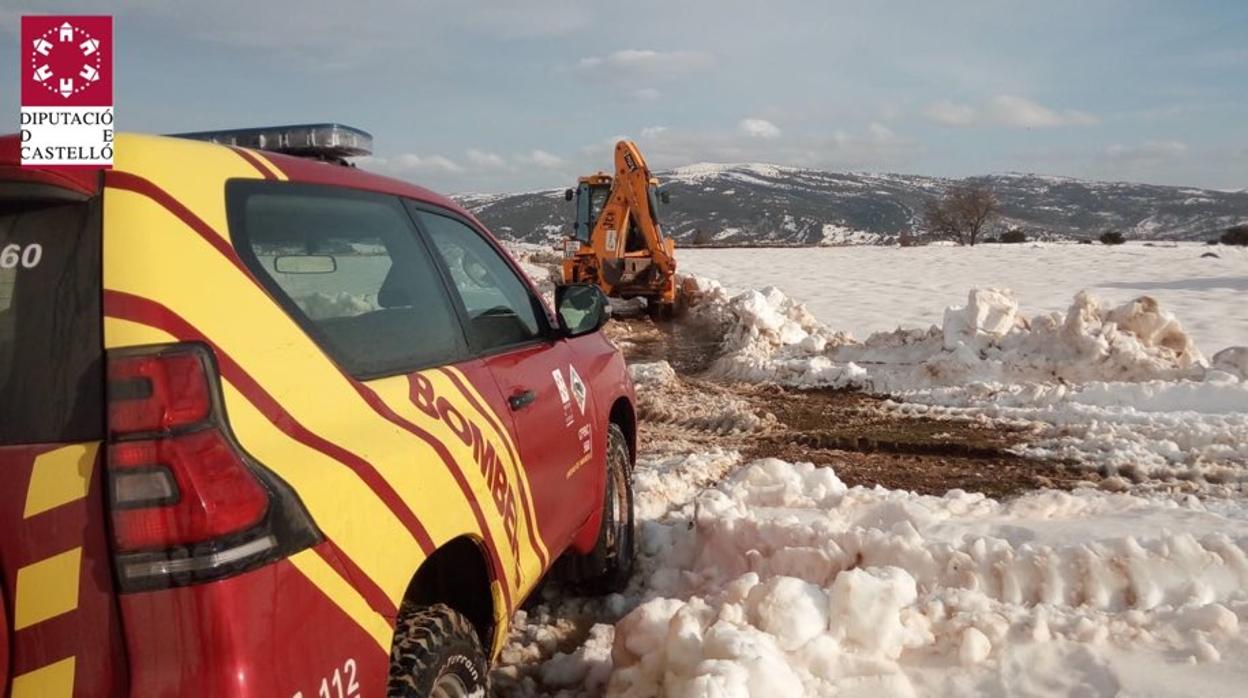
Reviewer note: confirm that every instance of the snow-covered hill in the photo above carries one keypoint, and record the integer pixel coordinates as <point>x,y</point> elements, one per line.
<point>767,204</point>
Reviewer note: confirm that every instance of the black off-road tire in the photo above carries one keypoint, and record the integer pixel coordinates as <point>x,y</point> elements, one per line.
<point>435,647</point>
<point>609,565</point>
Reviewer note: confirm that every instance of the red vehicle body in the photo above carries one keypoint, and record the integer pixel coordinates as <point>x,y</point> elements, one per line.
<point>373,488</point>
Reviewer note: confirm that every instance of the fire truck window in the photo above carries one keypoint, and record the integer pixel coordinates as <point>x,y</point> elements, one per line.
<point>351,270</point>
<point>501,310</point>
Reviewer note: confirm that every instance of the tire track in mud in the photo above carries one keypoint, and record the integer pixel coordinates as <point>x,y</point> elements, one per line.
<point>866,438</point>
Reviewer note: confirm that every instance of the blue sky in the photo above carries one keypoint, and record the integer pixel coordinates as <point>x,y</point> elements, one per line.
<point>499,96</point>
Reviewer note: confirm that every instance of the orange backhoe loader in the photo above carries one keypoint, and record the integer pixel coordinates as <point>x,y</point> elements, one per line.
<point>617,242</point>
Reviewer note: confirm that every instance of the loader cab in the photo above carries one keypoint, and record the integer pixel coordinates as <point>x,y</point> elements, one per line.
<point>591,196</point>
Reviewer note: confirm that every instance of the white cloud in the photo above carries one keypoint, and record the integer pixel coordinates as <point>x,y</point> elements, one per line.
<point>1145,153</point>
<point>652,131</point>
<point>1010,111</point>
<point>950,113</point>
<point>647,94</point>
<point>630,65</point>
<point>541,158</point>
<point>486,160</point>
<point>1020,112</point>
<point>411,163</point>
<point>881,134</point>
<point>758,128</point>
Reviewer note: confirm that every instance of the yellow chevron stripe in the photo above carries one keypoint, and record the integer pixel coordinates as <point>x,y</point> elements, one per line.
<point>517,466</point>
<point>264,160</point>
<point>340,503</point>
<point>395,393</point>
<point>47,588</point>
<point>344,596</point>
<point>55,680</point>
<point>502,619</point>
<point>165,163</point>
<point>59,477</point>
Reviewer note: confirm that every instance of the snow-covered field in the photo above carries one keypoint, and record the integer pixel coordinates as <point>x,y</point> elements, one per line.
<point>869,289</point>
<point>773,578</point>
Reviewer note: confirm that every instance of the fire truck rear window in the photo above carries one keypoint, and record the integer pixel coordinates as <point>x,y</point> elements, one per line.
<point>51,363</point>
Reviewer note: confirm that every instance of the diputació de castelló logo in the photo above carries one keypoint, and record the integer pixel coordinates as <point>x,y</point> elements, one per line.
<point>67,91</point>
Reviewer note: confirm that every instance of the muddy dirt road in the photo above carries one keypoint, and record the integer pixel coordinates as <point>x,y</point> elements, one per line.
<point>867,438</point>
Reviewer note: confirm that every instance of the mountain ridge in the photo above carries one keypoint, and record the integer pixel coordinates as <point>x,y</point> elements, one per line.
<point>761,203</point>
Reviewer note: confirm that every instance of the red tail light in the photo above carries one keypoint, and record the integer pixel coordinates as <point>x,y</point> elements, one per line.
<point>188,504</point>
<point>157,392</point>
<point>204,491</point>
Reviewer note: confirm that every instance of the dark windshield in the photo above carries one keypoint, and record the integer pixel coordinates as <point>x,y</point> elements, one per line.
<point>51,384</point>
<point>590,200</point>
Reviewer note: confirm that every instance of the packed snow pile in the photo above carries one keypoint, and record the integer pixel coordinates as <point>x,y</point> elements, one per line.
<point>771,337</point>
<point>989,341</point>
<point>1119,386</point>
<point>783,581</point>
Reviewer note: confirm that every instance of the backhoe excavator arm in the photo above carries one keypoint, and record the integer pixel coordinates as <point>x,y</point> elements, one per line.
<point>629,222</point>
<point>620,245</point>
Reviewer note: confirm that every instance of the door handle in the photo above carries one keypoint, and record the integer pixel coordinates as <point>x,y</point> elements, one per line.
<point>521,400</point>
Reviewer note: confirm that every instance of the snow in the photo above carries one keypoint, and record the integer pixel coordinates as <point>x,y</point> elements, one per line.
<point>839,235</point>
<point>773,578</point>
<point>783,581</point>
<point>862,290</point>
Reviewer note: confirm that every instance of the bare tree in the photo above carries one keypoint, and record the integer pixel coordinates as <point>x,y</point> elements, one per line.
<point>961,214</point>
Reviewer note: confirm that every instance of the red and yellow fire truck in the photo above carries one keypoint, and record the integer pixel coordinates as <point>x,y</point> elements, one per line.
<point>274,426</point>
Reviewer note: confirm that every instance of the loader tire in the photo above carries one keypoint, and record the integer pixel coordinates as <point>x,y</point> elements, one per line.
<point>608,567</point>
<point>436,654</point>
<point>660,311</point>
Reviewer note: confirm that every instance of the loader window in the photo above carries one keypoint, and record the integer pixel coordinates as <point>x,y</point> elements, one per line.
<point>590,201</point>
<point>501,310</point>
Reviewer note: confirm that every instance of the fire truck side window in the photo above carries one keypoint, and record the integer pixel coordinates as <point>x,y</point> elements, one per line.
<point>350,268</point>
<point>501,311</point>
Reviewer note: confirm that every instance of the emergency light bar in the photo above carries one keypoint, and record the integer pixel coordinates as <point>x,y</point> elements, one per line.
<point>307,140</point>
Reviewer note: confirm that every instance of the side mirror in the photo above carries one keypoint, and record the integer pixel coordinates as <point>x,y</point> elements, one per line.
<point>568,194</point>
<point>665,197</point>
<point>582,309</point>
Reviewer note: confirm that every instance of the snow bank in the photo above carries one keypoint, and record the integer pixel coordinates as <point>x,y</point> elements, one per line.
<point>771,337</point>
<point>789,583</point>
<point>1122,386</point>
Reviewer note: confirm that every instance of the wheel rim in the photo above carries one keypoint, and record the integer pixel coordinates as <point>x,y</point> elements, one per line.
<point>449,686</point>
<point>618,531</point>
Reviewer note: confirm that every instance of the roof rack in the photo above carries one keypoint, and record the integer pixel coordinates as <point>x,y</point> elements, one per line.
<point>328,141</point>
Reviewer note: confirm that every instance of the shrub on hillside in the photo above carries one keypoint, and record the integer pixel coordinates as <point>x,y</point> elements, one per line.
<point>1112,237</point>
<point>1014,236</point>
<point>1237,235</point>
